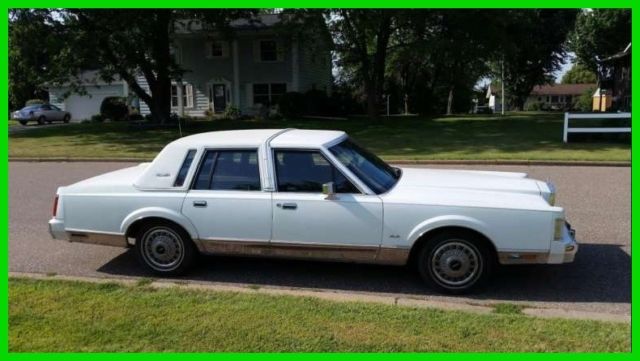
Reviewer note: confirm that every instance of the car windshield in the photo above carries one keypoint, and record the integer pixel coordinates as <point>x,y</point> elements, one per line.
<point>373,171</point>
<point>31,107</point>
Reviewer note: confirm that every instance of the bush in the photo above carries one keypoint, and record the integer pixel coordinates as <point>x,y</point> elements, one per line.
<point>114,108</point>
<point>316,102</point>
<point>534,106</point>
<point>97,118</point>
<point>584,103</point>
<point>34,102</point>
<point>231,112</point>
<point>291,104</point>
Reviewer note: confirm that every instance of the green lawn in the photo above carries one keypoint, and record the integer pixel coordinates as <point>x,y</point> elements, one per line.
<point>526,136</point>
<point>13,123</point>
<point>63,316</point>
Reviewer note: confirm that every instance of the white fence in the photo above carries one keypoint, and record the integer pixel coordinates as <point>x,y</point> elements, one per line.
<point>568,130</point>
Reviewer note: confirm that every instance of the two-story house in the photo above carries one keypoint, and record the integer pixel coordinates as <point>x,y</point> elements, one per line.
<point>248,70</point>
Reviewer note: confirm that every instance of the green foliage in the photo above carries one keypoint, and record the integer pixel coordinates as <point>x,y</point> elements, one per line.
<point>534,106</point>
<point>516,136</point>
<point>232,112</point>
<point>34,102</point>
<point>579,74</point>
<point>291,105</point>
<point>508,309</point>
<point>114,108</point>
<point>96,318</point>
<point>600,33</point>
<point>584,103</point>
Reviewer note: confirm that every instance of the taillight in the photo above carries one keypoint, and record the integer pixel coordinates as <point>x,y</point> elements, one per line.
<point>55,205</point>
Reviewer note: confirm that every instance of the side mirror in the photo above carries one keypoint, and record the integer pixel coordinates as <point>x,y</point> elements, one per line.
<point>328,189</point>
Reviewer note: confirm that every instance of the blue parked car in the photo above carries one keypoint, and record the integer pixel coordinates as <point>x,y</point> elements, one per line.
<point>41,113</point>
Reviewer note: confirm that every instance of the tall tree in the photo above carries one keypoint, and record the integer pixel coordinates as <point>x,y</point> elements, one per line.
<point>126,43</point>
<point>531,52</point>
<point>579,74</point>
<point>600,33</point>
<point>362,39</point>
<point>33,38</point>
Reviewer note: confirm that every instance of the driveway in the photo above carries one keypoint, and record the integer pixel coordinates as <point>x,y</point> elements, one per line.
<point>33,125</point>
<point>597,201</point>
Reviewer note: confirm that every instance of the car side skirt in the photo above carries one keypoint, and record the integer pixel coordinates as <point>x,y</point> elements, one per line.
<point>318,252</point>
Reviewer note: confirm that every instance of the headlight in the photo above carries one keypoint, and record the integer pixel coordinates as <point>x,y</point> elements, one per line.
<point>557,229</point>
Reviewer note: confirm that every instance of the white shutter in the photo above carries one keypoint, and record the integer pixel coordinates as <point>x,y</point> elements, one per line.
<point>189,91</point>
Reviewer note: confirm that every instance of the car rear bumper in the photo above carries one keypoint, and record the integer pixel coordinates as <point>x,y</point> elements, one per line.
<point>58,231</point>
<point>561,251</point>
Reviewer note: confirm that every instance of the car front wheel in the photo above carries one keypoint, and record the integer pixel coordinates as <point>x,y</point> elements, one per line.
<point>23,122</point>
<point>456,262</point>
<point>41,120</point>
<point>165,248</point>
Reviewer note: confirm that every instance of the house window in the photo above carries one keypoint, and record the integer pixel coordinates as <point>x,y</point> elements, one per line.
<point>176,55</point>
<point>216,49</point>
<point>187,95</point>
<point>554,99</point>
<point>268,94</point>
<point>268,50</point>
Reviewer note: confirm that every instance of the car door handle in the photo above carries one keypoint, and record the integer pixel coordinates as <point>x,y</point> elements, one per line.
<point>199,203</point>
<point>287,205</point>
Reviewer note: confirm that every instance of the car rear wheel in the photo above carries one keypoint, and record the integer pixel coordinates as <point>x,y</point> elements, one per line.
<point>66,118</point>
<point>41,120</point>
<point>165,248</point>
<point>456,262</point>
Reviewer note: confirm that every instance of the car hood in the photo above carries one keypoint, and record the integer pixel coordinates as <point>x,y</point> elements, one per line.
<point>469,188</point>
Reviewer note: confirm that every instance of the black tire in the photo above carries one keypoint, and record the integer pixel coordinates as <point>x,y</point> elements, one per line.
<point>456,262</point>
<point>41,120</point>
<point>164,248</point>
<point>66,118</point>
<point>23,122</point>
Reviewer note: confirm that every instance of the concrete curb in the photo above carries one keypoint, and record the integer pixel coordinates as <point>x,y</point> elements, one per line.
<point>335,296</point>
<point>399,162</point>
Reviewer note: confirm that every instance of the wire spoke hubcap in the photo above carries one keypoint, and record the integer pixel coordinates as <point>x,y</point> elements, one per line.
<point>455,263</point>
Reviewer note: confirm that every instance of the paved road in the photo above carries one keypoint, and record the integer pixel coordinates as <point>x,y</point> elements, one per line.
<point>597,201</point>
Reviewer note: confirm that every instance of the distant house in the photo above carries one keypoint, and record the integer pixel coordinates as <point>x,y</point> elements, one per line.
<point>86,104</point>
<point>249,71</point>
<point>614,82</point>
<point>557,96</point>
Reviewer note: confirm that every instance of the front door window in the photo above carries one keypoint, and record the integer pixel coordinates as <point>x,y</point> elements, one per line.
<point>218,97</point>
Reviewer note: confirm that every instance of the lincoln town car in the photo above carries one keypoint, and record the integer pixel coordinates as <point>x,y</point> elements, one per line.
<point>315,195</point>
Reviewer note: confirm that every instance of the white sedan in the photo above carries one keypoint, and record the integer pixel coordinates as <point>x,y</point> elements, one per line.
<point>312,194</point>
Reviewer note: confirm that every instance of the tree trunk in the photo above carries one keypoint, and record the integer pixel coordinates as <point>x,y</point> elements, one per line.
<point>450,101</point>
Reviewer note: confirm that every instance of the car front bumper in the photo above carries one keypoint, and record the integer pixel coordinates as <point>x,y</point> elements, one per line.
<point>560,251</point>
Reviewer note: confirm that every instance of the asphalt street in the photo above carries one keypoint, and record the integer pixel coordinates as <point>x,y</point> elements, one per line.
<point>597,202</point>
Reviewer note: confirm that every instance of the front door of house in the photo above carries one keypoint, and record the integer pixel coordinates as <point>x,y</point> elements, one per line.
<point>218,97</point>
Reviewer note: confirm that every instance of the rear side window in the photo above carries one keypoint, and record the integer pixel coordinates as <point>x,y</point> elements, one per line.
<point>229,170</point>
<point>184,169</point>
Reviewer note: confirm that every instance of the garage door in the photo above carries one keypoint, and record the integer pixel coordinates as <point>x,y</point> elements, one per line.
<point>85,106</point>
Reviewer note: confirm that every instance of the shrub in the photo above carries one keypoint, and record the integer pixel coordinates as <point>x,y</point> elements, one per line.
<point>291,104</point>
<point>34,102</point>
<point>584,103</point>
<point>114,108</point>
<point>231,112</point>
<point>97,118</point>
<point>534,106</point>
<point>316,102</point>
